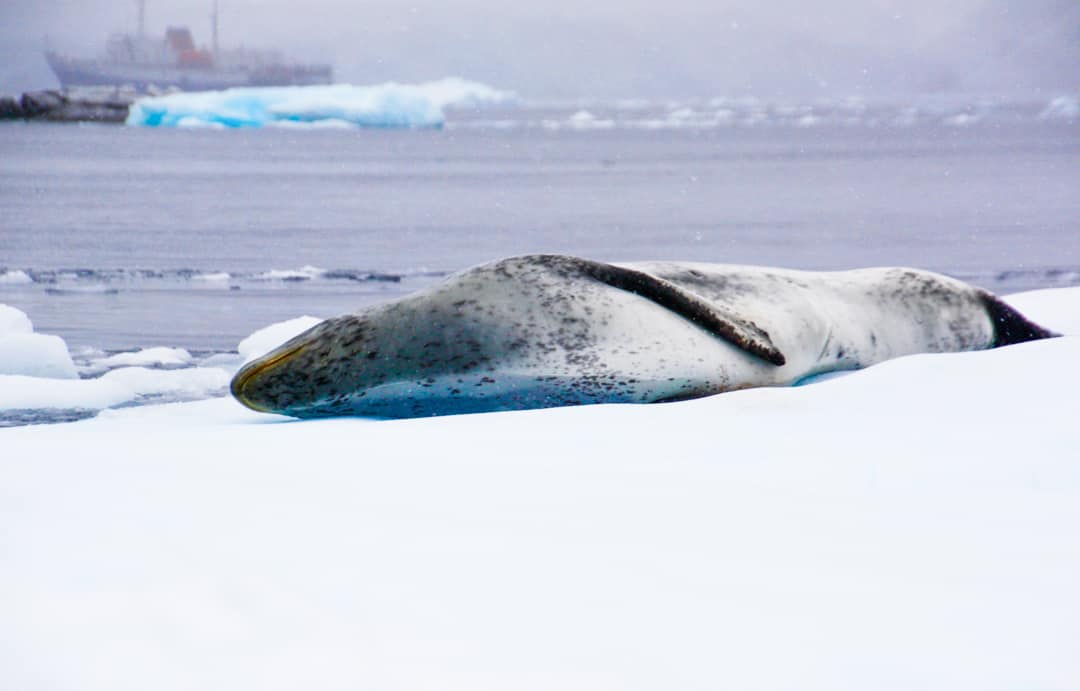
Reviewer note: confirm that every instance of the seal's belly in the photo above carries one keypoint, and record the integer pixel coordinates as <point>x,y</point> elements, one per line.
<point>503,390</point>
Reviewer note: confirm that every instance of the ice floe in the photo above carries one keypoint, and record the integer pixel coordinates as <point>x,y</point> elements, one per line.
<point>15,277</point>
<point>1065,108</point>
<point>24,352</point>
<point>37,372</point>
<point>337,105</point>
<point>718,113</point>
<point>160,356</point>
<point>304,273</point>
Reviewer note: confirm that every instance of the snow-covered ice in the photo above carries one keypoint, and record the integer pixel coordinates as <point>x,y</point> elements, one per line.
<point>160,356</point>
<point>23,352</point>
<point>336,105</point>
<point>911,525</point>
<point>267,338</point>
<point>14,321</point>
<point>37,372</point>
<point>117,387</point>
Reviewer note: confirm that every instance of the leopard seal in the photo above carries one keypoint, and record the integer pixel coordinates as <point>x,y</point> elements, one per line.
<point>550,330</point>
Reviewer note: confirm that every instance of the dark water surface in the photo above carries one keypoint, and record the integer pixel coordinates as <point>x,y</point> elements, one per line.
<point>131,237</point>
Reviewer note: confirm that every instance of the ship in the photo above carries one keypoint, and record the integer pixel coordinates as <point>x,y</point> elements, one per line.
<point>147,64</point>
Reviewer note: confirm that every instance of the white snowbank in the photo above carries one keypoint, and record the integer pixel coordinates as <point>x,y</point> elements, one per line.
<point>267,338</point>
<point>912,525</point>
<point>24,352</point>
<point>384,105</point>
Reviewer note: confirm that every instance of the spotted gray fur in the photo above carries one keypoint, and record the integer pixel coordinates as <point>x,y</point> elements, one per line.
<point>548,330</point>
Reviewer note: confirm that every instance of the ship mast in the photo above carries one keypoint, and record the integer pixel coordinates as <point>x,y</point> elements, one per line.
<point>213,29</point>
<point>141,4</point>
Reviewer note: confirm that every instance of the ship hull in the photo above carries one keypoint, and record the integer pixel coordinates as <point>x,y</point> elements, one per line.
<point>76,72</point>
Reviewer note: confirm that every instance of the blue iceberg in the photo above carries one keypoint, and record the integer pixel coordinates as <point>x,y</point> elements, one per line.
<point>337,105</point>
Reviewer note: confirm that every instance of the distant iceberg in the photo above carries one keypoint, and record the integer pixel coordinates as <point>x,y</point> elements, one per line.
<point>1065,108</point>
<point>389,105</point>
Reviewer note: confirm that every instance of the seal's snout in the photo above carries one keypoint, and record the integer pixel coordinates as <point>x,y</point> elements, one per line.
<point>262,384</point>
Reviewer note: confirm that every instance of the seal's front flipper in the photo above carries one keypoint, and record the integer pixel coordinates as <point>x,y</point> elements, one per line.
<point>718,321</point>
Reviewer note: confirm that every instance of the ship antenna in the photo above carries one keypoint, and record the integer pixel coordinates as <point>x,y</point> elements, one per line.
<point>213,28</point>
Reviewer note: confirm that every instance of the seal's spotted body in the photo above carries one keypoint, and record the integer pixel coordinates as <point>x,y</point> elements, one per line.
<point>546,330</point>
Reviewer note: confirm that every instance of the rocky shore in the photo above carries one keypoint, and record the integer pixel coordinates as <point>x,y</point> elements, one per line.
<point>87,104</point>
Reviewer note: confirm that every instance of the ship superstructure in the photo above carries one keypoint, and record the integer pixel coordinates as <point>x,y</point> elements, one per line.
<point>174,60</point>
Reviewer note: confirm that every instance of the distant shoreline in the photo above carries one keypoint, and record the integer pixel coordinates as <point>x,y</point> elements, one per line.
<point>100,104</point>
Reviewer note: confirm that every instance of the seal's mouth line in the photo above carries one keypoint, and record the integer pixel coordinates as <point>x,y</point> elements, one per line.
<point>253,369</point>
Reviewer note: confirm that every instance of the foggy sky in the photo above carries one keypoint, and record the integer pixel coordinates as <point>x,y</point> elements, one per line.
<point>568,49</point>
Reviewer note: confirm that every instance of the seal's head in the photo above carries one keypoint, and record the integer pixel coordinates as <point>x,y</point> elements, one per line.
<point>389,360</point>
<point>309,375</point>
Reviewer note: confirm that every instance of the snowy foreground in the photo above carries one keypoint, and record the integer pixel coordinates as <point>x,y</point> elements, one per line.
<point>912,526</point>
